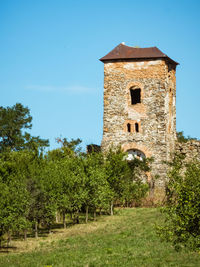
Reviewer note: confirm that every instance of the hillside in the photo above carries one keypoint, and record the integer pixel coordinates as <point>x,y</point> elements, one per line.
<point>126,239</point>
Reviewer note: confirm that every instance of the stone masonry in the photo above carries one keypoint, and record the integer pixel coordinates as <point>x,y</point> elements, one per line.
<point>190,149</point>
<point>147,127</point>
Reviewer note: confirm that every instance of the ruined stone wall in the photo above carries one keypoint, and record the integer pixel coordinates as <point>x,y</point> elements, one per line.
<point>190,149</point>
<point>155,115</point>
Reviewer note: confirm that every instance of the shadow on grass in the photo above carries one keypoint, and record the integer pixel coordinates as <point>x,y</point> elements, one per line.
<point>7,249</point>
<point>43,231</point>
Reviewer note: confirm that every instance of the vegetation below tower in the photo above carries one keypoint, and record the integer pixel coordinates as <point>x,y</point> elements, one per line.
<point>41,192</point>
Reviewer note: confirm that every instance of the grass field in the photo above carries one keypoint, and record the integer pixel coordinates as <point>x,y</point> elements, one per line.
<point>126,239</point>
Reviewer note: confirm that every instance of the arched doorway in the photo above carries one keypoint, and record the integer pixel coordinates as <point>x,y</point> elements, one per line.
<point>135,153</point>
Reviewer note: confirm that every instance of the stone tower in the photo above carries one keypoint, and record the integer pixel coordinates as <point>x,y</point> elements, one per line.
<point>140,104</point>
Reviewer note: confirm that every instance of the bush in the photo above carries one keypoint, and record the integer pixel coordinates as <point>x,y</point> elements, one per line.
<point>182,223</point>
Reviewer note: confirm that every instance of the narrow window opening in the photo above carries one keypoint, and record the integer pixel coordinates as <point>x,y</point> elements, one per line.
<point>129,127</point>
<point>137,127</point>
<point>135,96</point>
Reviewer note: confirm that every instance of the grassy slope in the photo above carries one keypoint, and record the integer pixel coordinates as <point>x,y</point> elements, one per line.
<point>126,239</point>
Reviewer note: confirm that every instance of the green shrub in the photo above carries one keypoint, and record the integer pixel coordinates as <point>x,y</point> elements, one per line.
<point>182,224</point>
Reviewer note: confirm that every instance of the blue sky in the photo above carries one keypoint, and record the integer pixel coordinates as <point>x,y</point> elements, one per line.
<point>49,53</point>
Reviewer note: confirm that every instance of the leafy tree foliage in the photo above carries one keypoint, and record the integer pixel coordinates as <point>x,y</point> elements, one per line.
<point>70,147</point>
<point>13,121</point>
<point>135,184</point>
<point>125,176</point>
<point>36,187</point>
<point>182,225</point>
<point>182,139</point>
<point>98,191</point>
<point>14,200</point>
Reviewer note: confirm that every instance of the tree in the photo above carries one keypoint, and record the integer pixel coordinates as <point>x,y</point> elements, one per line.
<point>42,205</point>
<point>182,221</point>
<point>14,197</point>
<point>98,192</point>
<point>125,178</point>
<point>134,186</point>
<point>70,147</point>
<point>14,121</point>
<point>26,198</point>
<point>182,139</point>
<point>66,171</point>
<point>116,168</point>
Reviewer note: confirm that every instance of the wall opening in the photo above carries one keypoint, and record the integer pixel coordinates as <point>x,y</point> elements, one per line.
<point>128,127</point>
<point>135,96</point>
<point>137,127</point>
<point>135,153</point>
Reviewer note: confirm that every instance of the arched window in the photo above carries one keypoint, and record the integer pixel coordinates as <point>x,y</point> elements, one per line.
<point>128,127</point>
<point>135,96</point>
<point>135,153</point>
<point>136,127</point>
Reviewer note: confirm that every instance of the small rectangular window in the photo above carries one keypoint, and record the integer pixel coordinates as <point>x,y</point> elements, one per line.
<point>128,128</point>
<point>137,127</point>
<point>135,96</point>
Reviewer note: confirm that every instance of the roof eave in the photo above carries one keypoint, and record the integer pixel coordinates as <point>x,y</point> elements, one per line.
<point>146,58</point>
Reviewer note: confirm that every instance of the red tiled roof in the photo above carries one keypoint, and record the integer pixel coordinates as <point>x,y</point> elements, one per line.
<point>122,52</point>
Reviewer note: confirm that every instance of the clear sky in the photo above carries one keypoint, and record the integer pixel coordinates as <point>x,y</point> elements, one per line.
<point>49,51</point>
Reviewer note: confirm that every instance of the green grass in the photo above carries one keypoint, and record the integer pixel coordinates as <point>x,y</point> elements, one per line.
<point>126,239</point>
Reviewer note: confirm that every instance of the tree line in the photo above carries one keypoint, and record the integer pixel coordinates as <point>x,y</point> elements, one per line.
<point>37,187</point>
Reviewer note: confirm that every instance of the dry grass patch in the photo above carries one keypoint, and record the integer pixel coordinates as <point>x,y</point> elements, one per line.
<point>32,244</point>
